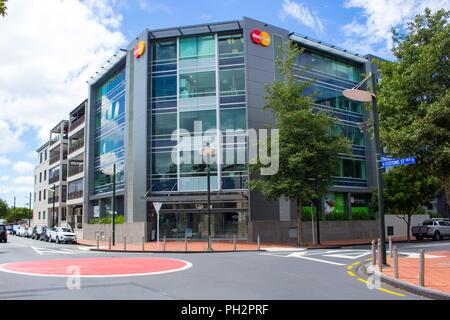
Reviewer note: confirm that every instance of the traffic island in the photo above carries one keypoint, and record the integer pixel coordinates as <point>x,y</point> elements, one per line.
<point>436,274</point>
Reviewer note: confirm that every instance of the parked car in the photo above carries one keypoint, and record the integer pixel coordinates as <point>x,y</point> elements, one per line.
<point>434,228</point>
<point>37,232</point>
<point>22,231</point>
<point>62,235</point>
<point>3,233</point>
<point>10,229</point>
<point>46,234</point>
<point>15,228</point>
<point>29,232</point>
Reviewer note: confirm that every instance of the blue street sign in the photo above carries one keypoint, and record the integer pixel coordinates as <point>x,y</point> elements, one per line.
<point>399,162</point>
<point>383,159</point>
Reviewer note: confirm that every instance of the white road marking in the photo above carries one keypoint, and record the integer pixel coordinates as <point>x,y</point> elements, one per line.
<point>354,255</point>
<point>43,251</point>
<point>276,249</point>
<point>301,256</point>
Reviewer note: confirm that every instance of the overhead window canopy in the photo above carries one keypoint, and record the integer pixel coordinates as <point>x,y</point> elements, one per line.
<point>195,29</point>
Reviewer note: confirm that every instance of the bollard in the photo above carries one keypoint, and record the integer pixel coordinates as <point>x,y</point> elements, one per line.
<point>109,245</point>
<point>259,244</point>
<point>164,244</point>
<point>380,256</point>
<point>422,268</point>
<point>234,243</point>
<point>143,243</point>
<point>391,254</point>
<point>396,276</point>
<point>185,244</point>
<point>98,242</point>
<point>374,253</point>
<point>124,243</point>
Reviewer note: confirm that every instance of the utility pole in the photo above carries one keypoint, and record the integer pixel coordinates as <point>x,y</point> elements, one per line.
<point>29,210</point>
<point>14,212</point>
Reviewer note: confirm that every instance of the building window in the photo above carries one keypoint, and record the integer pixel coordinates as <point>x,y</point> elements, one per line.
<point>75,189</point>
<point>39,215</point>
<point>165,86</point>
<point>164,51</point>
<point>197,47</point>
<point>207,119</point>
<point>351,133</point>
<point>162,164</point>
<point>199,84</point>
<point>45,194</point>
<point>110,143</point>
<point>164,124</point>
<point>40,177</point>
<point>231,44</point>
<point>45,175</point>
<point>40,157</point>
<point>232,82</point>
<point>353,169</point>
<point>233,119</point>
<point>43,215</point>
<point>40,195</point>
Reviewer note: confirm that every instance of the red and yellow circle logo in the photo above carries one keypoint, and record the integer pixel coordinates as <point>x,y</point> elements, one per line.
<point>139,49</point>
<point>261,37</point>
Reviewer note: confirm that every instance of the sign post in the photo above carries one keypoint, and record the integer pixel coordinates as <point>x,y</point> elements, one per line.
<point>157,206</point>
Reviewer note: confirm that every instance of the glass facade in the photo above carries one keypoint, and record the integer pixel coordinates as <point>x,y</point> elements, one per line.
<point>110,132</point>
<point>196,80</point>
<point>330,76</point>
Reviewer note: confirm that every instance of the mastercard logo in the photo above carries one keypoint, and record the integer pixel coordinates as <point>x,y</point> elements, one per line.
<point>139,49</point>
<point>261,37</point>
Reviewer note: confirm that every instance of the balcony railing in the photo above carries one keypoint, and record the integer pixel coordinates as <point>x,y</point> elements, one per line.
<point>53,179</point>
<point>76,123</point>
<point>74,170</point>
<point>55,159</point>
<point>76,146</point>
<point>75,195</point>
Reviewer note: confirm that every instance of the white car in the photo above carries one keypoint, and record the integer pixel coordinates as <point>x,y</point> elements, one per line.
<point>29,232</point>
<point>22,232</point>
<point>65,235</point>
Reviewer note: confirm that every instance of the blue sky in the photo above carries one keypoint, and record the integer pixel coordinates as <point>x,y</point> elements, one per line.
<point>63,43</point>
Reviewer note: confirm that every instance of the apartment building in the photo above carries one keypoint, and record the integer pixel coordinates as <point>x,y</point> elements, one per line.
<point>75,168</point>
<point>58,151</point>
<point>41,187</point>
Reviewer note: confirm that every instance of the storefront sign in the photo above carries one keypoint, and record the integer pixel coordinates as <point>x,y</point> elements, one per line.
<point>139,49</point>
<point>261,38</point>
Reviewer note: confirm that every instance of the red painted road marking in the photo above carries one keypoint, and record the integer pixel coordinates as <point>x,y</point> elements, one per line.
<point>97,267</point>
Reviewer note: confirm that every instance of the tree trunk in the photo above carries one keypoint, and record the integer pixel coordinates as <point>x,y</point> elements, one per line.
<point>299,222</point>
<point>408,226</point>
<point>447,189</point>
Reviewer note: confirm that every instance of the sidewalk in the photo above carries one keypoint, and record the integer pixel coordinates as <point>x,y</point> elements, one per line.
<point>437,270</point>
<point>223,246</point>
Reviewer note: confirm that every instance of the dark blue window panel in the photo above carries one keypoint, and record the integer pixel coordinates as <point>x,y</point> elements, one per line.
<point>233,106</point>
<point>232,67</point>
<point>163,185</point>
<point>165,67</point>
<point>359,152</point>
<point>163,150</point>
<point>231,61</point>
<point>164,104</point>
<point>234,183</point>
<point>232,99</point>
<point>164,111</point>
<point>349,183</point>
<point>163,143</point>
<point>324,78</point>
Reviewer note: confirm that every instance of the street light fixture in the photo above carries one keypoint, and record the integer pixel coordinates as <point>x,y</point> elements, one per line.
<point>356,94</point>
<point>29,209</point>
<point>112,173</point>
<point>209,152</point>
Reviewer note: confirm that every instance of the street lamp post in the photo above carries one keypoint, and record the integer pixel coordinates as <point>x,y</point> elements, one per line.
<point>208,151</point>
<point>29,209</point>
<point>365,96</point>
<point>108,172</point>
<point>53,210</point>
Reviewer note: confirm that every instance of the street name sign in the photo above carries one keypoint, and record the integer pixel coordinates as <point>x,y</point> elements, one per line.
<point>399,162</point>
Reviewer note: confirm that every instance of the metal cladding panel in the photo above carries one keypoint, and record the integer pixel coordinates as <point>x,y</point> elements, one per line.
<point>136,133</point>
<point>260,71</point>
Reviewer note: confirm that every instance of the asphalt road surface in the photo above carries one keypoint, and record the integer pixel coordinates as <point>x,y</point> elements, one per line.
<point>272,275</point>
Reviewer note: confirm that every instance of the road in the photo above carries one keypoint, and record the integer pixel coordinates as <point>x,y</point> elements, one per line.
<point>274,275</point>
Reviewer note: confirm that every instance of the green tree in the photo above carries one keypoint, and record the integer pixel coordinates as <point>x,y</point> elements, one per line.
<point>3,209</point>
<point>308,151</point>
<point>414,95</point>
<point>20,214</point>
<point>3,8</point>
<point>407,191</point>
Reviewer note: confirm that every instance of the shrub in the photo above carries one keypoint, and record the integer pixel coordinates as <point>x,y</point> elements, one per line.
<point>108,220</point>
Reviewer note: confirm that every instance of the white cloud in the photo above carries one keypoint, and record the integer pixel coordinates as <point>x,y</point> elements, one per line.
<point>301,14</point>
<point>4,178</point>
<point>24,181</point>
<point>4,161</point>
<point>153,7</point>
<point>378,17</point>
<point>23,167</point>
<point>51,48</point>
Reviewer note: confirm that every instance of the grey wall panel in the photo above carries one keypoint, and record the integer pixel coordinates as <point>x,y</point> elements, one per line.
<point>136,134</point>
